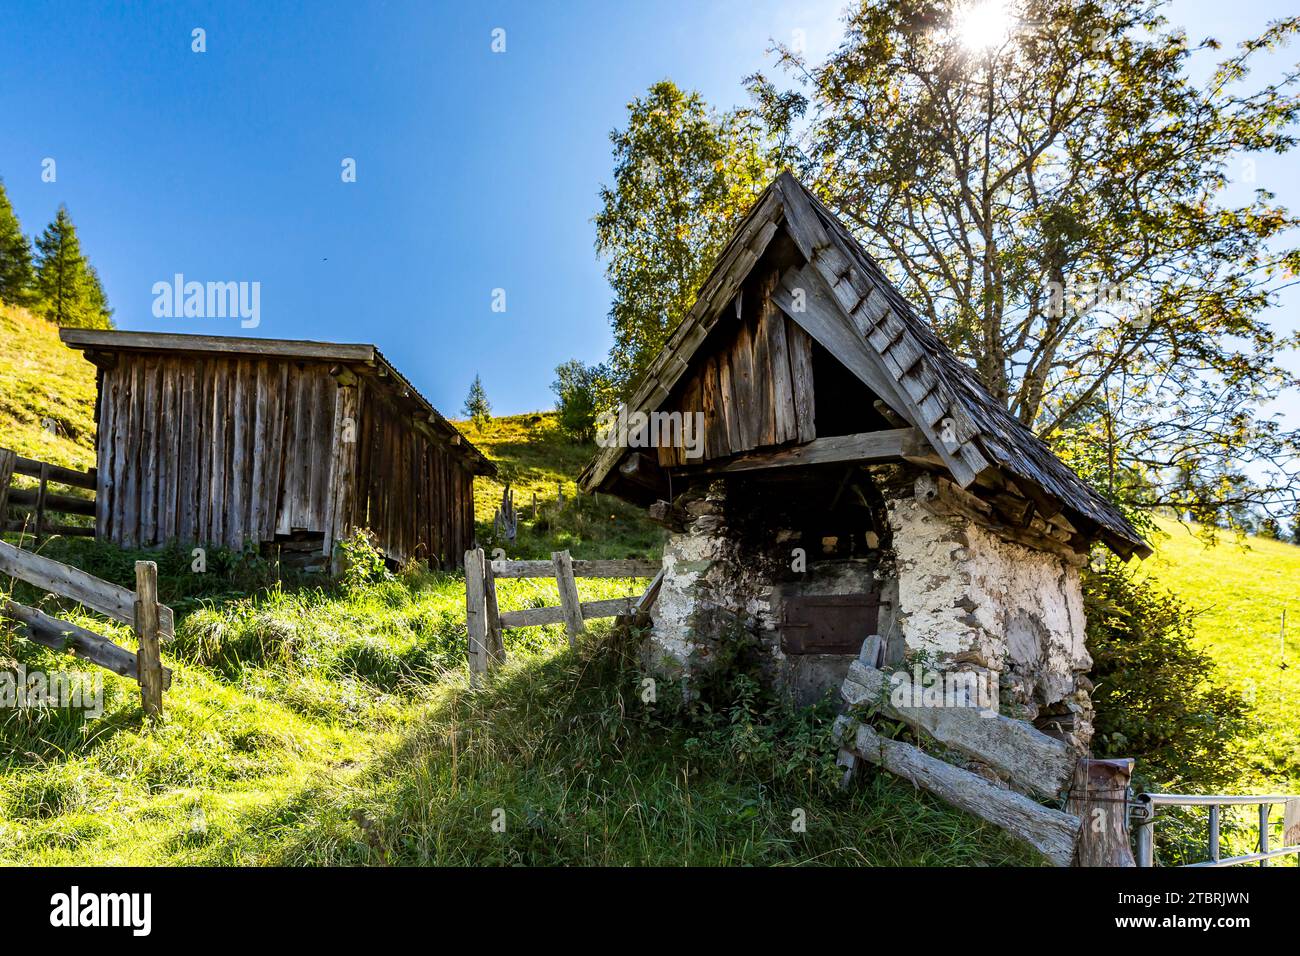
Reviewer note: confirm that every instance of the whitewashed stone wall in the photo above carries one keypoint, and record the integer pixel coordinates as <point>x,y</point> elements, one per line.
<point>958,595</point>
<point>968,598</point>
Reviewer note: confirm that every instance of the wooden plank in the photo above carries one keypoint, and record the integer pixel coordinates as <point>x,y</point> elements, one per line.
<point>476,615</point>
<point>802,382</point>
<point>727,407</point>
<point>581,569</point>
<point>886,445</point>
<point>1027,758</point>
<point>63,636</point>
<point>784,424</point>
<point>534,616</point>
<point>148,661</point>
<point>149,438</point>
<point>104,425</point>
<point>1050,832</point>
<point>569,600</point>
<point>110,341</point>
<point>52,530</point>
<point>69,582</point>
<point>763,411</point>
<point>715,429</point>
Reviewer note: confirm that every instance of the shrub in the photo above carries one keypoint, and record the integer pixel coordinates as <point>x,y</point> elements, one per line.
<point>1157,696</point>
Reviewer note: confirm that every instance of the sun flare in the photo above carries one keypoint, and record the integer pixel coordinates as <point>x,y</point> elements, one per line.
<point>982,24</point>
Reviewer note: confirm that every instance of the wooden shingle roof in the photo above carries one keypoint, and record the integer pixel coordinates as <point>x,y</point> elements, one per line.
<point>889,346</point>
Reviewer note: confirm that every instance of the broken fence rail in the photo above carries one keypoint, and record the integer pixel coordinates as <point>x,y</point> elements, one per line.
<point>1143,812</point>
<point>484,621</point>
<point>152,621</point>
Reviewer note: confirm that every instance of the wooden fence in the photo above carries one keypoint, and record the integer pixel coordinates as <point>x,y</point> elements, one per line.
<point>485,621</point>
<point>153,622</point>
<point>36,504</point>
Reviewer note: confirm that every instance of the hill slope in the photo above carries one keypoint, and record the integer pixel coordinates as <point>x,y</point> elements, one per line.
<point>1241,590</point>
<point>47,393</point>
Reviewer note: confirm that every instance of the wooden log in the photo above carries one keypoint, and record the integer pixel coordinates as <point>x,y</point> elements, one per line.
<point>475,616</point>
<point>51,529</point>
<point>1027,758</point>
<point>98,595</point>
<point>1099,798</point>
<point>148,660</point>
<point>535,616</point>
<point>569,600</point>
<point>581,569</point>
<point>1050,832</point>
<point>63,636</point>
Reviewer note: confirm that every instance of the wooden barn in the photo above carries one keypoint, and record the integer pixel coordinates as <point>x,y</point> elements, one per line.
<point>230,441</point>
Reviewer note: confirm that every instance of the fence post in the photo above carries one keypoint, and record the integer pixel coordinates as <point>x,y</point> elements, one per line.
<point>148,662</point>
<point>569,599</point>
<point>475,617</point>
<point>496,648</point>
<point>8,459</point>
<point>40,502</point>
<point>1099,798</point>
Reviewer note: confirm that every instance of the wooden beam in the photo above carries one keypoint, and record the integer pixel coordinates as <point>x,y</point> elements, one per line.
<point>570,603</point>
<point>69,582</point>
<point>1099,797</point>
<point>64,636</point>
<point>99,339</point>
<point>55,473</point>
<point>887,445</point>
<point>476,616</point>
<point>581,569</point>
<point>148,660</point>
<point>530,617</point>
<point>8,460</point>
<point>1050,832</point>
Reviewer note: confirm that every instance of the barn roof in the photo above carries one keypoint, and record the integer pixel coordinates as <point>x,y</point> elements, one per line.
<point>366,359</point>
<point>889,346</point>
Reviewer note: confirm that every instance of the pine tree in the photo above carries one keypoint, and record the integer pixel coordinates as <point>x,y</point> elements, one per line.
<point>477,407</point>
<point>16,275</point>
<point>68,288</point>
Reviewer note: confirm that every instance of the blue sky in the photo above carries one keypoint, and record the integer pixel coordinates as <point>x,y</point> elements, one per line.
<point>475,170</point>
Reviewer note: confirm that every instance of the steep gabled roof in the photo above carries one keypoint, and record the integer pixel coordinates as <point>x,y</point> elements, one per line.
<point>881,338</point>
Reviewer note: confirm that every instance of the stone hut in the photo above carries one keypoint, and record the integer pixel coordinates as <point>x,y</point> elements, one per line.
<point>838,483</point>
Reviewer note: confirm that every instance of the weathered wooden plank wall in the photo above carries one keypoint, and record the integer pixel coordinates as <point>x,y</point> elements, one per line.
<point>410,490</point>
<point>224,449</point>
<point>755,390</point>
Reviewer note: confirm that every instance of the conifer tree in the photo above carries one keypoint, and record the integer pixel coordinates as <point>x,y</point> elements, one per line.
<point>16,275</point>
<point>69,290</point>
<point>477,407</point>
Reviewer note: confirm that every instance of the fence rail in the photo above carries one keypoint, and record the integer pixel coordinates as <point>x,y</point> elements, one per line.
<point>484,620</point>
<point>36,504</point>
<point>1144,813</point>
<point>153,622</point>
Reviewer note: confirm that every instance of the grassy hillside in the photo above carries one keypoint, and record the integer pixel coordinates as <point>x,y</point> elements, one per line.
<point>315,723</point>
<point>1241,589</point>
<point>47,393</point>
